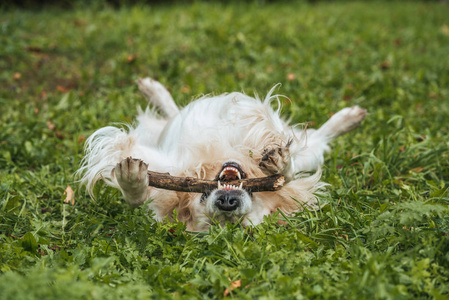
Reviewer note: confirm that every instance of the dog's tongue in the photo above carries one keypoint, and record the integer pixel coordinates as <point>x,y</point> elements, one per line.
<point>229,175</point>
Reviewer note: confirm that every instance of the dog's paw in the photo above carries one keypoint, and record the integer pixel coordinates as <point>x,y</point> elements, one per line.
<point>158,95</point>
<point>150,87</point>
<point>346,120</point>
<point>275,159</point>
<point>131,175</point>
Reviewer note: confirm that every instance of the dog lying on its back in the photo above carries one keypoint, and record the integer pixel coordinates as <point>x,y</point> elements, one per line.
<point>227,137</point>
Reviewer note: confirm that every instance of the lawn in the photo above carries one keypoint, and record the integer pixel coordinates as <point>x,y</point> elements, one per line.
<point>384,231</point>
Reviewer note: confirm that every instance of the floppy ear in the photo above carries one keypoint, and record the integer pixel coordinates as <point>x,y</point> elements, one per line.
<point>184,214</point>
<point>185,207</point>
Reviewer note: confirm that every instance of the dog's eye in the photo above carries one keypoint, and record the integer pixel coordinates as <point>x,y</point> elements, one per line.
<point>204,197</point>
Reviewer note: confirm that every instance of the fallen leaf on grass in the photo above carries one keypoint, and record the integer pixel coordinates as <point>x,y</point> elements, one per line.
<point>234,285</point>
<point>421,138</point>
<point>79,22</point>
<point>131,58</point>
<point>43,95</point>
<point>185,89</point>
<point>291,76</point>
<point>70,196</point>
<point>81,139</point>
<point>51,126</point>
<point>445,29</point>
<point>62,89</point>
<point>417,170</point>
<point>385,65</point>
<point>59,135</point>
<point>17,76</point>
<point>33,49</point>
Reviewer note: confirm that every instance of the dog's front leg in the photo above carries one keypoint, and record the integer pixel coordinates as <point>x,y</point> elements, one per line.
<point>131,175</point>
<point>276,159</point>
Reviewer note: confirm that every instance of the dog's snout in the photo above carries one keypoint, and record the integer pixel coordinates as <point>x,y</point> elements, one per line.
<point>228,201</point>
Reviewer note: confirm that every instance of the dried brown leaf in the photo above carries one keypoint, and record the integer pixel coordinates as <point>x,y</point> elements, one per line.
<point>81,139</point>
<point>291,76</point>
<point>51,126</point>
<point>33,48</point>
<point>385,65</point>
<point>234,285</point>
<point>417,170</point>
<point>185,89</point>
<point>62,89</point>
<point>131,58</point>
<point>70,195</point>
<point>445,29</point>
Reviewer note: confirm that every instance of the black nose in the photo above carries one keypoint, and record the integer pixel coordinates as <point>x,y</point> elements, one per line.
<point>228,201</point>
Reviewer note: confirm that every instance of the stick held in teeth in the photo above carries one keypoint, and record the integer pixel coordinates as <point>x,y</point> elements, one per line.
<point>195,185</point>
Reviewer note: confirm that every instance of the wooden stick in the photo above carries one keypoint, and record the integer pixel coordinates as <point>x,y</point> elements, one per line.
<point>195,185</point>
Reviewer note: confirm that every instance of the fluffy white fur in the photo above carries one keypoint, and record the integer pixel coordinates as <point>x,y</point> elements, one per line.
<point>198,140</point>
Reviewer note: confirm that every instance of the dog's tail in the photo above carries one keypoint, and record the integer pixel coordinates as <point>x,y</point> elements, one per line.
<point>158,96</point>
<point>104,148</point>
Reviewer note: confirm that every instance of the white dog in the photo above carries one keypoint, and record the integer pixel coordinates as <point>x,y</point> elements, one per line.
<point>226,137</point>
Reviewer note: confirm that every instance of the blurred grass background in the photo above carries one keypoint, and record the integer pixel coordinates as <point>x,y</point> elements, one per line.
<point>65,72</point>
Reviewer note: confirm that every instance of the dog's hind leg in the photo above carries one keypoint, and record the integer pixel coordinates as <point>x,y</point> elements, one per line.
<point>158,96</point>
<point>308,153</point>
<point>342,122</point>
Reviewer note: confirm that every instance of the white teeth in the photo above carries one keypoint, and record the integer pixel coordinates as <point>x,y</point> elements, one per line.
<point>229,187</point>
<point>222,173</point>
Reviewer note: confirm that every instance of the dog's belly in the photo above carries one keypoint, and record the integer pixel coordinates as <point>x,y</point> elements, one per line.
<point>226,117</point>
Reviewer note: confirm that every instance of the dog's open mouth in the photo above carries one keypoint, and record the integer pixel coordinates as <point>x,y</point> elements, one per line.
<point>230,171</point>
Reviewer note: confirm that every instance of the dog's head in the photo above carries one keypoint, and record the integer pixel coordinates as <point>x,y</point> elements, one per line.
<point>232,203</point>
<point>228,202</point>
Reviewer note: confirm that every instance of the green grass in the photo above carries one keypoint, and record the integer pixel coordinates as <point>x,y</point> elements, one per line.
<point>384,233</point>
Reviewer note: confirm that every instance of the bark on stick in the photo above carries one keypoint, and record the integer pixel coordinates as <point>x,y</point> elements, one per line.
<point>195,185</point>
